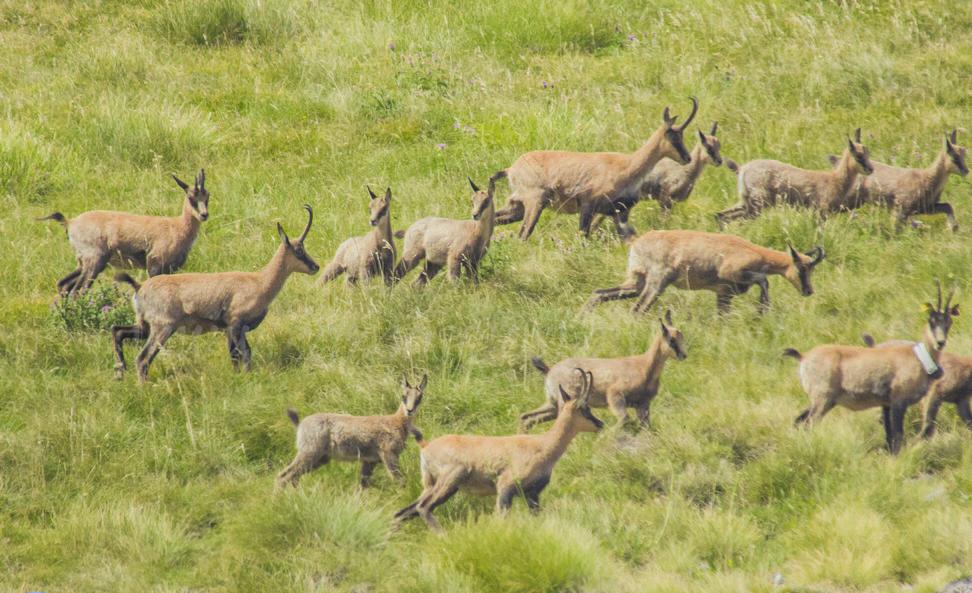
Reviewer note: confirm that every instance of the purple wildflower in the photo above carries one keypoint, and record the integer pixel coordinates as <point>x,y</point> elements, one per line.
<point>392,46</point>
<point>106,308</point>
<point>441,145</point>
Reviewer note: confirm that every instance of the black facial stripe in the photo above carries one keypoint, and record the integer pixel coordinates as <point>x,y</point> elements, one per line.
<point>957,161</point>
<point>804,278</point>
<point>382,213</point>
<point>861,161</point>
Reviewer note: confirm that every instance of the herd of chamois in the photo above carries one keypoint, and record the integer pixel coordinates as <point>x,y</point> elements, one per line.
<point>892,375</point>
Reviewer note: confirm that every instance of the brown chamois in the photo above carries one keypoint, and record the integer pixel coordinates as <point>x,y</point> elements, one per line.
<point>892,378</point>
<point>450,243</point>
<point>232,302</point>
<point>618,383</point>
<point>694,260</point>
<point>588,183</point>
<point>369,255</point>
<point>501,466</point>
<point>670,182</point>
<point>913,191</point>
<point>763,183</point>
<point>368,439</point>
<point>955,386</point>
<point>157,244</point>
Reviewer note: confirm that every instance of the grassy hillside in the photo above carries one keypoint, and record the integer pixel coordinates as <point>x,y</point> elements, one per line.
<point>108,486</point>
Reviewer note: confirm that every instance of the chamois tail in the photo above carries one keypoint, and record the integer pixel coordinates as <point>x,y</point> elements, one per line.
<point>792,352</point>
<point>123,277</point>
<point>294,418</point>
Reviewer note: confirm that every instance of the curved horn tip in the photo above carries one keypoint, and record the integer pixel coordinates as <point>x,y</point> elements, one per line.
<point>938,285</point>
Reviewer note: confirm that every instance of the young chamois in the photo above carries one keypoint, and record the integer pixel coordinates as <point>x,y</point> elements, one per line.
<point>588,183</point>
<point>955,386</point>
<point>694,260</point>
<point>157,244</point>
<point>368,439</point>
<point>913,191</point>
<point>451,243</point>
<point>504,466</point>
<point>765,183</point>
<point>232,302</point>
<point>670,182</point>
<point>892,378</point>
<point>618,383</point>
<point>369,255</point>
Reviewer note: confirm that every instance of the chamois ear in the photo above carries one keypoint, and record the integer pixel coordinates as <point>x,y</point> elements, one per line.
<point>387,194</point>
<point>668,316</point>
<point>182,184</point>
<point>282,234</point>
<point>425,381</point>
<point>793,253</point>
<point>701,135</point>
<point>563,394</point>
<point>664,329</point>
<point>850,145</point>
<point>472,184</point>
<point>954,137</point>
<point>405,384</point>
<point>857,135</point>
<point>667,117</point>
<point>715,128</point>
<point>954,311</point>
<point>371,193</point>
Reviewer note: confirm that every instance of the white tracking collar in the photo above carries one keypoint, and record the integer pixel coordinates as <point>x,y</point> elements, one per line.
<point>924,357</point>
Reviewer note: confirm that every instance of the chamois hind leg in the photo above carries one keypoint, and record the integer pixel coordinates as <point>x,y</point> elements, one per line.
<point>303,463</point>
<point>367,468</point>
<point>453,267</point>
<point>65,284</point>
<point>390,461</point>
<point>630,289</point>
<point>946,209</point>
<point>156,339</point>
<point>619,407</point>
<point>964,412</point>
<point>92,269</point>
<point>544,413</point>
<point>120,333</point>
<point>533,205</point>
<point>428,273</point>
<point>817,410</point>
<point>650,294</point>
<point>513,212</point>
<point>445,488</point>
<point>409,260</point>
<point>896,436</point>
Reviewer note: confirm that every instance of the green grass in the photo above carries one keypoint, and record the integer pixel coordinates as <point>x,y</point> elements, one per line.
<point>106,486</point>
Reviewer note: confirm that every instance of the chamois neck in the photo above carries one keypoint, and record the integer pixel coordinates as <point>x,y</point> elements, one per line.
<point>655,357</point>
<point>643,160</point>
<point>188,220</point>
<point>486,222</point>
<point>557,438</point>
<point>700,157</point>
<point>384,227</point>
<point>276,272</point>
<point>937,174</point>
<point>776,262</point>
<point>845,174</point>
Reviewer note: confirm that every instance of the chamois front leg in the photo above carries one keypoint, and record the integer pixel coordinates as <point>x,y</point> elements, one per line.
<point>156,339</point>
<point>532,490</point>
<point>506,489</point>
<point>964,412</point>
<point>367,468</point>
<point>65,284</point>
<point>896,436</point>
<point>932,404</point>
<point>120,333</point>
<point>644,414</point>
<point>390,460</point>
<point>650,293</point>
<point>946,209</point>
<point>587,211</point>
<point>454,266</point>
<point>619,407</point>
<point>93,268</point>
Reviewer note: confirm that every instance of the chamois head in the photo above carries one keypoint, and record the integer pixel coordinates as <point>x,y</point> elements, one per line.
<point>481,199</point>
<point>956,155</point>
<point>197,195</point>
<point>940,318</point>
<point>803,264</point>
<point>671,338</point>
<point>860,155</point>
<point>379,206</point>
<point>577,409</point>
<point>673,145</point>
<point>711,144</point>
<point>412,396</point>
<point>298,260</point>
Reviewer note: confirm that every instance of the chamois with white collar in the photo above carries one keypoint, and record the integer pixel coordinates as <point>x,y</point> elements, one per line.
<point>909,192</point>
<point>232,302</point>
<point>695,260</point>
<point>367,439</point>
<point>502,466</point>
<point>361,258</point>
<point>955,387</point>
<point>446,242</point>
<point>764,183</point>
<point>157,244</point>
<point>618,383</point>
<point>588,183</point>
<point>892,378</point>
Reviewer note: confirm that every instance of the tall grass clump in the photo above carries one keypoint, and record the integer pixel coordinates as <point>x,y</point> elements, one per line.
<point>226,22</point>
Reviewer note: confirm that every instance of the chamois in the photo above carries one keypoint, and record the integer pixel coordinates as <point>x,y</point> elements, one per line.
<point>892,378</point>
<point>233,302</point>
<point>954,387</point>
<point>670,182</point>
<point>694,260</point>
<point>504,466</point>
<point>157,244</point>
<point>369,255</point>
<point>368,439</point>
<point>765,183</point>
<point>913,191</point>
<point>454,244</point>
<point>587,182</point>
<point>618,383</point>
